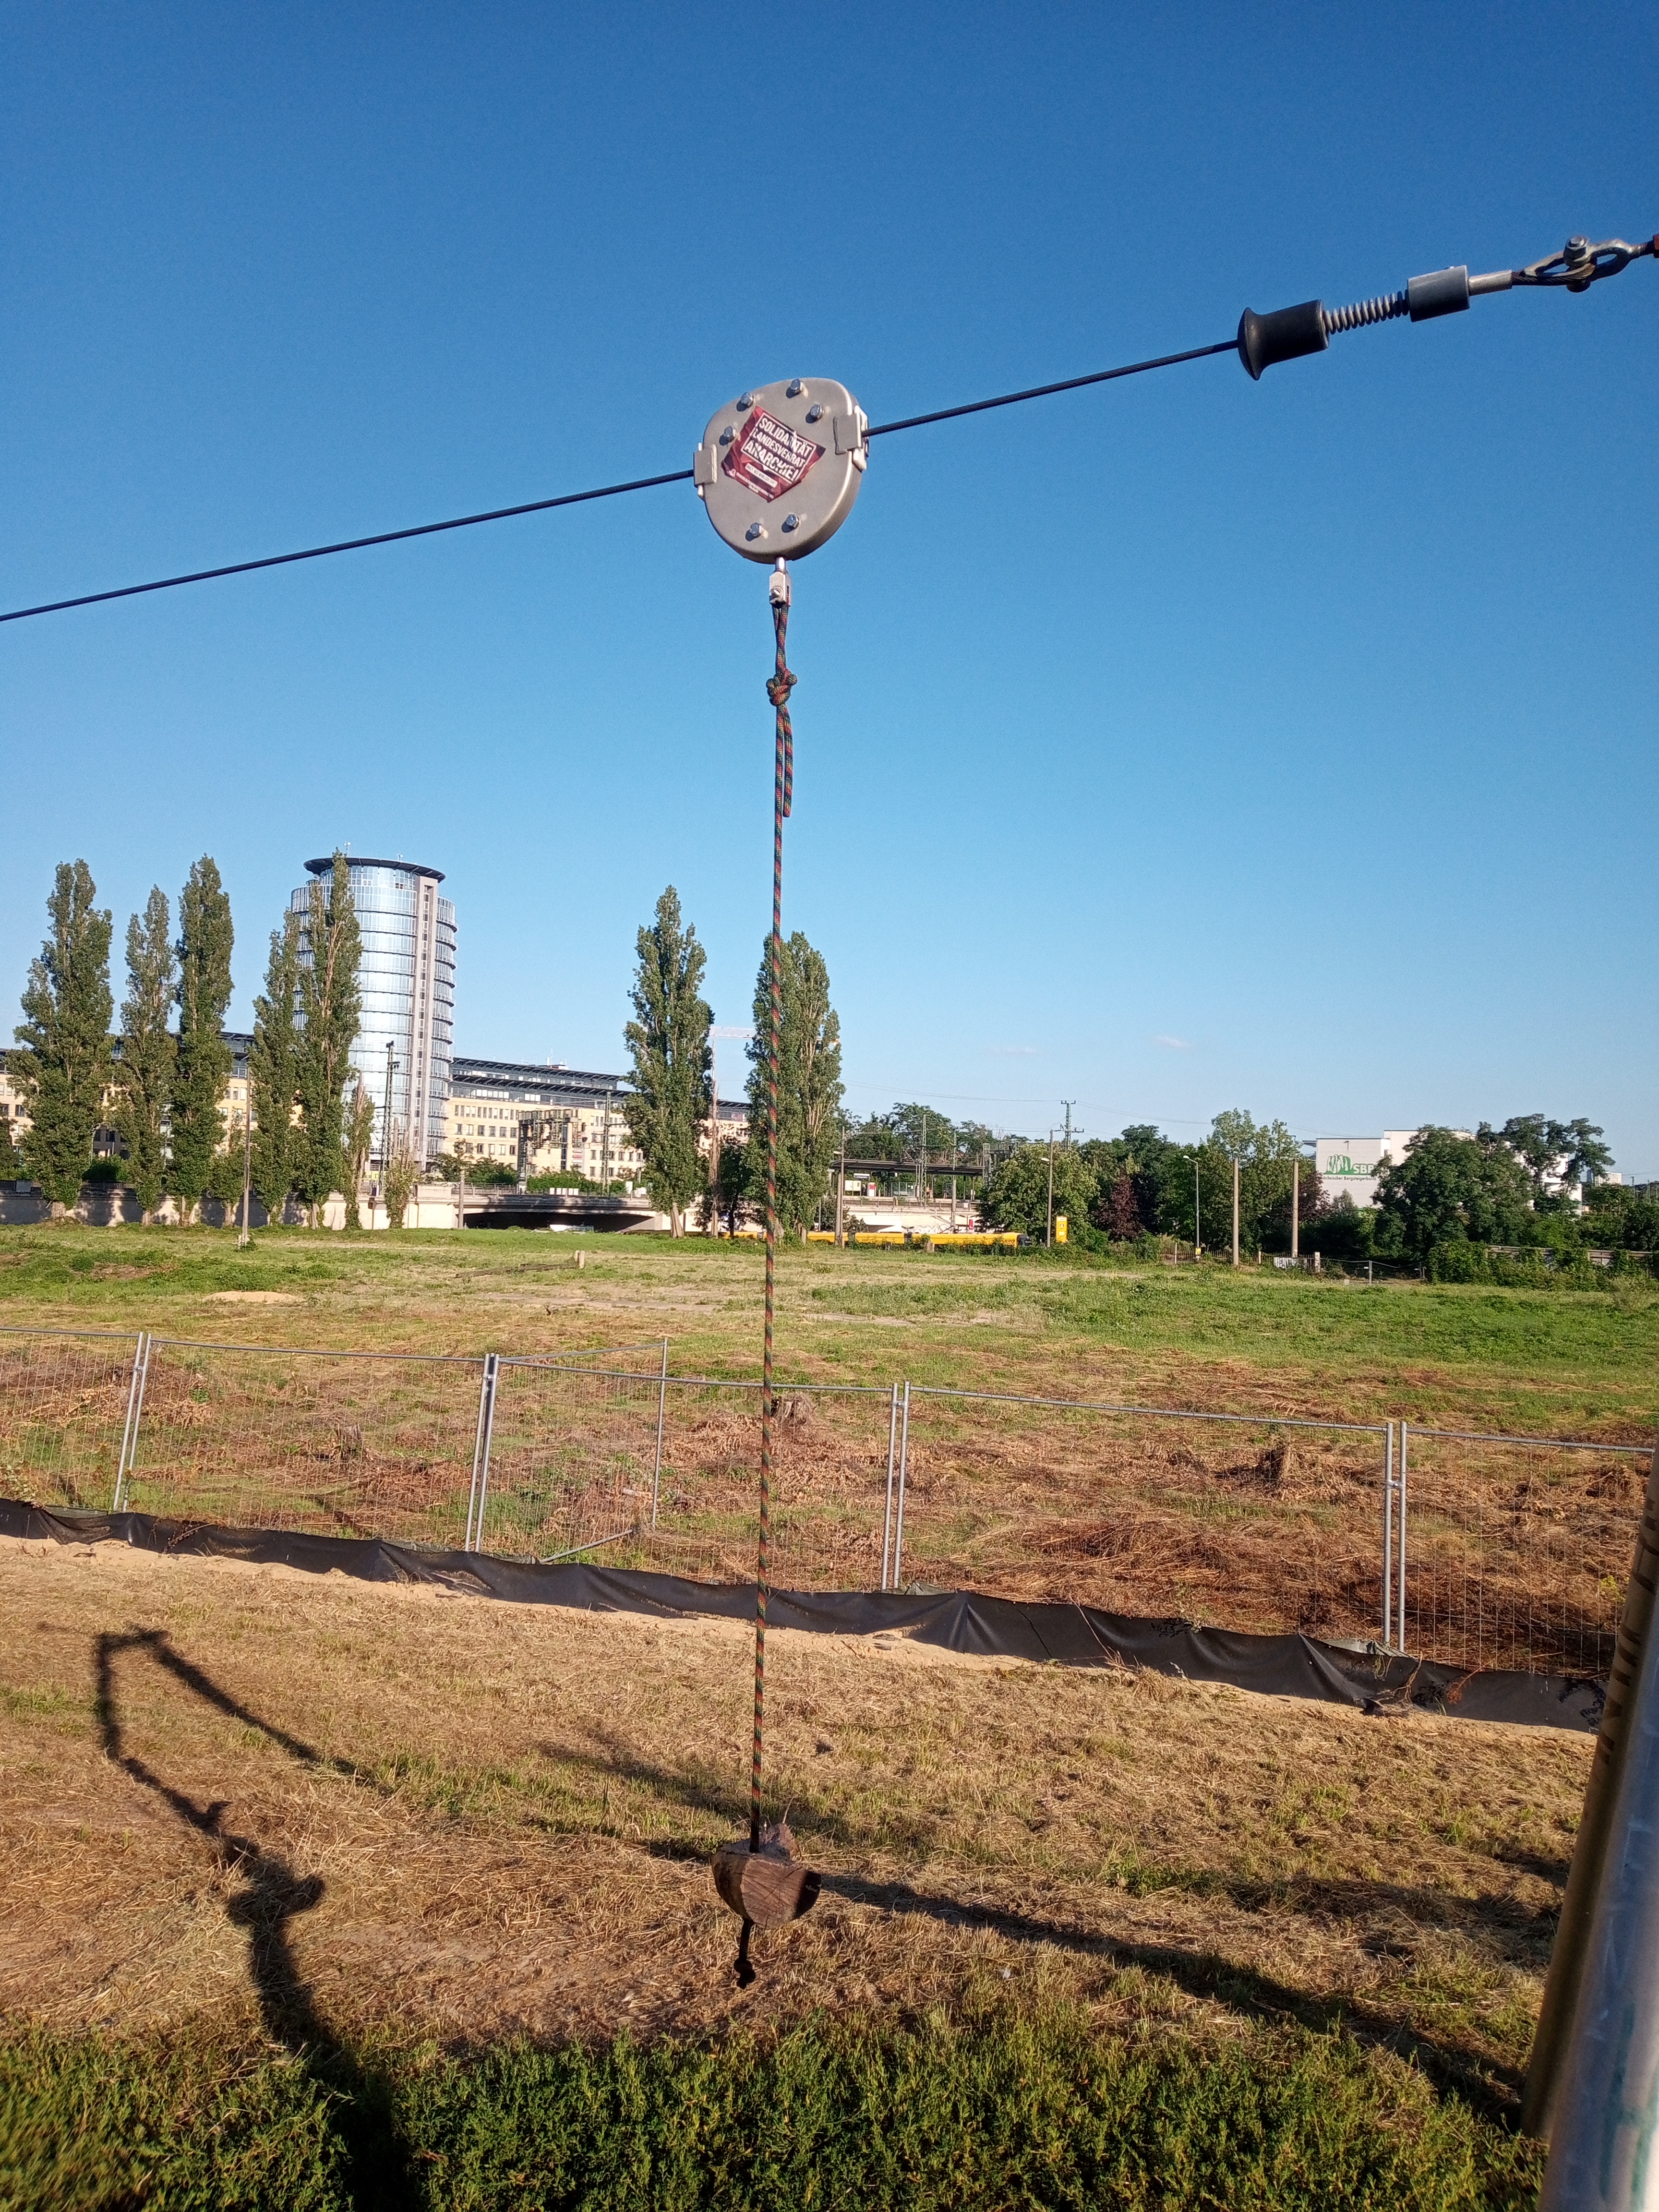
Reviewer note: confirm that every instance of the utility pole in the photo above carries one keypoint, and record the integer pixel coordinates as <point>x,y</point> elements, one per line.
<point>1069,1104</point>
<point>385,1145</point>
<point>605,1145</point>
<point>1198,1244</point>
<point>247,1237</point>
<point>922,1172</point>
<point>1235,1212</point>
<point>1296,1205</point>
<point>841,1191</point>
<point>714,1142</point>
<point>1050,1238</point>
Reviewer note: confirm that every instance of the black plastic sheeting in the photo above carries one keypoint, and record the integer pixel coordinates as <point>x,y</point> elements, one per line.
<point>956,1620</point>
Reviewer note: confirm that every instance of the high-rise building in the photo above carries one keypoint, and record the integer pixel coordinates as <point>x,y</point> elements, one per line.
<point>408,984</point>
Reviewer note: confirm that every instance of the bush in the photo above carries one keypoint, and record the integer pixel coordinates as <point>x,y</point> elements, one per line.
<point>1529,1268</point>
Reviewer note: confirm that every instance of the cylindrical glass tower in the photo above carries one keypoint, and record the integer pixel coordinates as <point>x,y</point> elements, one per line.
<point>407,980</point>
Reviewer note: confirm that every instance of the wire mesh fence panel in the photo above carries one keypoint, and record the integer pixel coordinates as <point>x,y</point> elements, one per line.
<point>1238,1524</point>
<point>626,1468</point>
<point>329,1443</point>
<point>572,1460</point>
<point>1518,1556</point>
<point>63,1400</point>
<point>828,1485</point>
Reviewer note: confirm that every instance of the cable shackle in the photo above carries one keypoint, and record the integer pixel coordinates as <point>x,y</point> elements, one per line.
<point>1290,332</point>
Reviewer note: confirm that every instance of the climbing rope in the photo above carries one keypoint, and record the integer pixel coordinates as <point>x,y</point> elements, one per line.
<point>779,685</point>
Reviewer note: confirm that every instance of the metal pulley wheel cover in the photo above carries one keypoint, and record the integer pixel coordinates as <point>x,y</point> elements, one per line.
<point>779,467</point>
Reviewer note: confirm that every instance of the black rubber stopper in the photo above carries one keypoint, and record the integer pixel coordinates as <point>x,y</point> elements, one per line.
<point>1285,335</point>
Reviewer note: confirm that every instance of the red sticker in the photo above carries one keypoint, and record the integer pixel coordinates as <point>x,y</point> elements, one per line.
<point>769,457</point>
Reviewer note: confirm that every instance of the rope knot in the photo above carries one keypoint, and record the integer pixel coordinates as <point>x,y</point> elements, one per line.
<point>778,686</point>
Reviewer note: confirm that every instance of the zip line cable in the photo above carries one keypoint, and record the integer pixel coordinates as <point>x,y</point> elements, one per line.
<point>1262,341</point>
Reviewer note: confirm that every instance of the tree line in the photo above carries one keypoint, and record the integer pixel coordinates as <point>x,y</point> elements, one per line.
<point>158,1083</point>
<point>671,1104</point>
<point>1532,1183</point>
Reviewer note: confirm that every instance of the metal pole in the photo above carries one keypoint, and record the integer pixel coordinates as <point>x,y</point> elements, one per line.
<point>386,1144</point>
<point>893,1446</point>
<point>904,1457</point>
<point>134,1384</point>
<point>662,1408</point>
<point>841,1190</point>
<point>1589,1854</point>
<point>1048,1235</point>
<point>141,1378</point>
<point>1399,1553</point>
<point>1388,1537</point>
<point>1601,2143</point>
<point>1234,1213</point>
<point>1198,1239</point>
<point>247,1237</point>
<point>481,1450</point>
<point>1296,1204</point>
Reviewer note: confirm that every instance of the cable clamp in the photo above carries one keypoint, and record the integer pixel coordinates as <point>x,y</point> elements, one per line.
<point>1579,265</point>
<point>777,587</point>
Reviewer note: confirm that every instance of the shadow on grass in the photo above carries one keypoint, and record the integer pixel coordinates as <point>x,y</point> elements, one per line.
<point>1509,1931</point>
<point>271,1895</point>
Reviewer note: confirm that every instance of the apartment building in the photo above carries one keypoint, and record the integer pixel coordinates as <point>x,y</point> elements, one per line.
<point>571,1119</point>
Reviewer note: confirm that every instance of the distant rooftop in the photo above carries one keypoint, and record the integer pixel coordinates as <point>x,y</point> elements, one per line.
<point>325,867</point>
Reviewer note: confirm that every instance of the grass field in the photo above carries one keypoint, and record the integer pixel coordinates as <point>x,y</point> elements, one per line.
<point>325,1893</point>
<point>1580,1364</point>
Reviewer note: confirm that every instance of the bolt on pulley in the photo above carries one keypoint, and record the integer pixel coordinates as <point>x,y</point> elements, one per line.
<point>1290,332</point>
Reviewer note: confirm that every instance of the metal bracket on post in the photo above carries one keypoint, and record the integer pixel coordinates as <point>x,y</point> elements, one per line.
<point>904,1457</point>
<point>892,1448</point>
<point>475,1504</point>
<point>130,1429</point>
<point>662,1408</point>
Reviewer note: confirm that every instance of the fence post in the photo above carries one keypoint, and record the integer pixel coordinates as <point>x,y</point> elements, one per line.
<point>1388,1537</point>
<point>662,1408</point>
<point>1399,1555</point>
<point>475,1504</point>
<point>130,1429</point>
<point>887,1524</point>
<point>904,1455</point>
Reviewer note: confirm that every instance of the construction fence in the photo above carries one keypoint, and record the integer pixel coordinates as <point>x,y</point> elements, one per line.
<point>1472,1550</point>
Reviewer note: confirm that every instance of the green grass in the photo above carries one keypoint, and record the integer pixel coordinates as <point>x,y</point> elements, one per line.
<point>1008,2112</point>
<point>1543,1358</point>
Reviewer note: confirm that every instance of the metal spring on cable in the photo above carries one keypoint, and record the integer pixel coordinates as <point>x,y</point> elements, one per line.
<point>1380,310</point>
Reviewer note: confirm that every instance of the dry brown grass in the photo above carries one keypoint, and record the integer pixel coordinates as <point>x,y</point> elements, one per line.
<point>455,1818</point>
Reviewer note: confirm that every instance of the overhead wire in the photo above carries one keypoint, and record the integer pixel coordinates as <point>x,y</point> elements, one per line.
<point>579,498</point>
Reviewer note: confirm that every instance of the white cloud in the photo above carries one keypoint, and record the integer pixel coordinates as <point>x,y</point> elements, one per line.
<point>1014,1051</point>
<point>1174,1043</point>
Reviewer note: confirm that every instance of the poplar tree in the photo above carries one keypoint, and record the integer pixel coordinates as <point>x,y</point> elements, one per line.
<point>668,1040</point>
<point>809,1083</point>
<point>145,1073</point>
<point>205,939</point>
<point>330,1010</point>
<point>273,1070</point>
<point>63,1067</point>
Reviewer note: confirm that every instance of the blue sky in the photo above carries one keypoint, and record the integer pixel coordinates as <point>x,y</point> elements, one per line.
<point>1182,744</point>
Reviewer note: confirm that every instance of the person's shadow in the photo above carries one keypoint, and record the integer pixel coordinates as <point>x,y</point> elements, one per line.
<point>272,1893</point>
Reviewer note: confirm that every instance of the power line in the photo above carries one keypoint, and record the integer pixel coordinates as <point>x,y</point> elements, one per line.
<point>579,498</point>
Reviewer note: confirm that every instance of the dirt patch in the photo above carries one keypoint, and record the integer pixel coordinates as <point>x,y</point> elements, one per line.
<point>253,1299</point>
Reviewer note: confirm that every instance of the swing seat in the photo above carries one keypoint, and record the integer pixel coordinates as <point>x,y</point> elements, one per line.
<point>768,1887</point>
